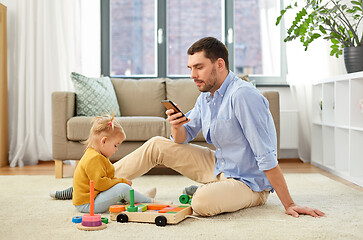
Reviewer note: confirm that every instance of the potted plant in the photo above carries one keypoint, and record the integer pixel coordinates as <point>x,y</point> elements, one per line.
<point>337,21</point>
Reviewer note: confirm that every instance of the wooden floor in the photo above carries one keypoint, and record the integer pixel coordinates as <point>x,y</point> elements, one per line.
<point>287,166</point>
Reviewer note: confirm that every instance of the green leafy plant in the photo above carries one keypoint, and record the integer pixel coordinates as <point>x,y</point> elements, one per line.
<point>333,20</point>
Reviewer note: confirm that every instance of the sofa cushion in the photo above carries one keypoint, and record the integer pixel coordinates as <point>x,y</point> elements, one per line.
<point>183,92</point>
<point>94,96</point>
<point>140,97</point>
<point>136,128</point>
<point>142,128</point>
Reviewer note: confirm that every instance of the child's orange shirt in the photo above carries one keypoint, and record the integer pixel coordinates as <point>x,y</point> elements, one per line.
<point>93,166</point>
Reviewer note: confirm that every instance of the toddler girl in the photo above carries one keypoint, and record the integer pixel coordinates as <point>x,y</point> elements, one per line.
<point>105,136</point>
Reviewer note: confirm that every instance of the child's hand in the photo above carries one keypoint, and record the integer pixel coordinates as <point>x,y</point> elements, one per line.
<point>129,182</point>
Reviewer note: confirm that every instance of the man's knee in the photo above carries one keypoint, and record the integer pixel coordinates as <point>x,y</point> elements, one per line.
<point>203,202</point>
<point>157,139</point>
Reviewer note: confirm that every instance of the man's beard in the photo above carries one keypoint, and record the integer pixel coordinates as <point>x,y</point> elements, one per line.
<point>213,82</point>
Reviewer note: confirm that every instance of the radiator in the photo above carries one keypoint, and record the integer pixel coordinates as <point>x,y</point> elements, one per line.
<point>289,129</point>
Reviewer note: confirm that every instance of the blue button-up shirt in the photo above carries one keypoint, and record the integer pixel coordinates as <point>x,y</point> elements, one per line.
<point>237,121</point>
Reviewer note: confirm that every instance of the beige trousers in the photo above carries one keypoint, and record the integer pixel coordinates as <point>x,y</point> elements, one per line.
<point>216,196</point>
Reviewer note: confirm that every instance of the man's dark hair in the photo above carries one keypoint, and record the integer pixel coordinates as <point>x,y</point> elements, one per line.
<point>213,49</point>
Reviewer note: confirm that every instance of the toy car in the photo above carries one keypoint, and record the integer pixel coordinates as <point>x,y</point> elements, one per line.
<point>151,213</point>
<point>147,212</point>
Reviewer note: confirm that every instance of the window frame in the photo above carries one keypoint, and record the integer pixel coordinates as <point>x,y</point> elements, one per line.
<point>161,48</point>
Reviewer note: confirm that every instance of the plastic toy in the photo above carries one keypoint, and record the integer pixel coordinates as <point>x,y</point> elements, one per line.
<point>185,199</point>
<point>77,219</point>
<point>91,221</point>
<point>149,213</point>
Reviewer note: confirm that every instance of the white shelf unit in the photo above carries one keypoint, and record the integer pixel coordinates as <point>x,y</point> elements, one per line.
<point>337,126</point>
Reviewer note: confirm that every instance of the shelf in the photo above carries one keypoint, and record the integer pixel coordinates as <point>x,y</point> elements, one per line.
<point>341,105</point>
<point>344,77</point>
<point>337,128</point>
<point>356,153</point>
<point>328,112</point>
<point>329,141</point>
<point>342,149</point>
<point>317,100</point>
<point>328,125</point>
<point>347,127</point>
<point>357,129</point>
<point>356,103</point>
<point>317,144</point>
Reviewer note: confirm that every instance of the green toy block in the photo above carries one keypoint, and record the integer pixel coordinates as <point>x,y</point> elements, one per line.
<point>142,208</point>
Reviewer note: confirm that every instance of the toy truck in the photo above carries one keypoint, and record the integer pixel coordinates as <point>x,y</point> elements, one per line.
<point>149,213</point>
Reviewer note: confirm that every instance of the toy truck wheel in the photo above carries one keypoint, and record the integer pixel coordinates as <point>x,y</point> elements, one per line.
<point>122,218</point>
<point>160,221</point>
<point>184,198</point>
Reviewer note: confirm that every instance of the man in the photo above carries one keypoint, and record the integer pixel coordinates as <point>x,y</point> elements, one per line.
<point>235,118</point>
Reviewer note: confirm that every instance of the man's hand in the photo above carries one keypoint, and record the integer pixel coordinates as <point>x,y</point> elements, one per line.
<point>278,182</point>
<point>296,210</point>
<point>176,121</point>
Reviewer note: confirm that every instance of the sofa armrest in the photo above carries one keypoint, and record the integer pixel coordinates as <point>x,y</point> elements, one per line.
<point>63,108</point>
<point>274,105</point>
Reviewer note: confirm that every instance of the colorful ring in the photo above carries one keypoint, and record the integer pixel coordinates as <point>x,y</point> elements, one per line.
<point>77,219</point>
<point>104,220</point>
<point>91,224</point>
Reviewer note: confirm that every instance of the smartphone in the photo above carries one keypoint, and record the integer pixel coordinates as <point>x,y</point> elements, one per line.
<point>170,105</point>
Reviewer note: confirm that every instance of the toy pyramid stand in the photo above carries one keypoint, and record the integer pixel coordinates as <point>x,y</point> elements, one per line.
<point>91,221</point>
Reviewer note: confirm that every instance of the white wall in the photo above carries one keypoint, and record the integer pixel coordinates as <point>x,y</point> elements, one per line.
<point>288,129</point>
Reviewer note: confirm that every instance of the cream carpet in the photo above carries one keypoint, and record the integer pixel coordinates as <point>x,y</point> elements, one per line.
<point>27,212</point>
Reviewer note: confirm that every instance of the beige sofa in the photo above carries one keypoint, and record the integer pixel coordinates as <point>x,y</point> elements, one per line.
<point>142,116</point>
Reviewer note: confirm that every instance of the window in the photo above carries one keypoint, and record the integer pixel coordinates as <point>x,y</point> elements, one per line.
<point>132,38</point>
<point>257,39</point>
<point>150,38</point>
<point>188,26</point>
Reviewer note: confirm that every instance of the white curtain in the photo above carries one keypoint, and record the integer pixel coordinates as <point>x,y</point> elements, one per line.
<point>270,36</point>
<point>47,40</point>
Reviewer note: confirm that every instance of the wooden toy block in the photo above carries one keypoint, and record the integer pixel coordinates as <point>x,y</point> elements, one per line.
<point>171,209</point>
<point>167,209</point>
<point>140,207</point>
<point>117,208</point>
<point>177,209</point>
<point>156,206</point>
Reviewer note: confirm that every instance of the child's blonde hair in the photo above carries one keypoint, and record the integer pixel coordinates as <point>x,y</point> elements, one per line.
<point>106,125</point>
